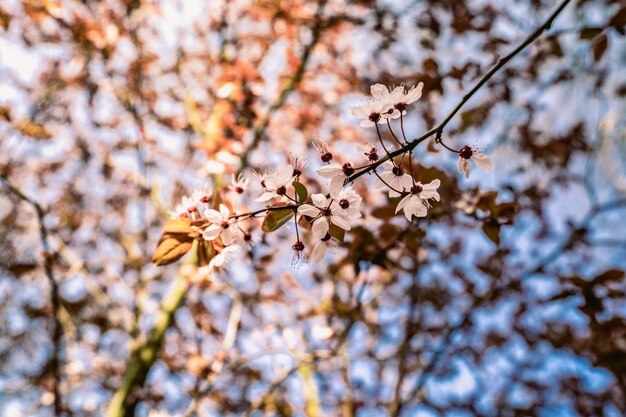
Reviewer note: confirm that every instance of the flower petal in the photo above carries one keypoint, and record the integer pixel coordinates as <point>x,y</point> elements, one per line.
<point>308,210</point>
<point>320,227</point>
<point>319,250</point>
<point>340,221</point>
<point>211,232</point>
<point>268,195</point>
<point>319,200</point>
<point>358,111</point>
<point>483,161</point>
<point>414,94</point>
<point>224,211</point>
<point>213,216</point>
<point>464,166</point>
<point>403,203</point>
<point>336,184</point>
<point>330,171</point>
<point>379,91</point>
<point>433,185</point>
<point>227,236</point>
<point>284,175</point>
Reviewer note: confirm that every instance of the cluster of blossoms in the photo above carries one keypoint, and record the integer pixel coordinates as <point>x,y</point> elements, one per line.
<point>327,215</point>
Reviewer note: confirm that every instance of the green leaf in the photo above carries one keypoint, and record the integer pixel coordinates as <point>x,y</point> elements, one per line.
<point>275,219</point>
<point>301,191</point>
<point>337,232</point>
<point>492,230</point>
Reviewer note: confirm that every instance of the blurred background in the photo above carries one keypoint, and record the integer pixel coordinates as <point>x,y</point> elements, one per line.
<point>508,299</point>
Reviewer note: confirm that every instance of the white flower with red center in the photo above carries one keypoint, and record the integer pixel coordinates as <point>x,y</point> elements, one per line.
<point>191,206</point>
<point>220,225</point>
<point>370,151</point>
<point>299,164</point>
<point>275,184</point>
<point>399,99</point>
<point>322,147</point>
<point>223,257</point>
<point>347,203</point>
<point>395,178</point>
<point>239,184</point>
<point>372,112</point>
<point>320,248</point>
<point>323,215</point>
<point>416,203</point>
<point>481,160</point>
<point>337,173</point>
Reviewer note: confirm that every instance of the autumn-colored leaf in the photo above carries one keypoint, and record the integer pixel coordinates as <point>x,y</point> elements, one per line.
<point>179,225</point>
<point>205,252</point>
<point>171,248</point>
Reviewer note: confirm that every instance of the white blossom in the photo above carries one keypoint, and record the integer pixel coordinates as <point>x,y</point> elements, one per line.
<point>416,202</point>
<point>337,173</point>
<point>220,225</point>
<point>275,184</point>
<point>481,160</point>
<point>396,178</point>
<point>299,164</point>
<point>372,112</point>
<point>192,204</point>
<point>239,184</point>
<point>398,99</point>
<point>347,203</point>
<point>223,257</point>
<point>323,215</point>
<point>320,248</point>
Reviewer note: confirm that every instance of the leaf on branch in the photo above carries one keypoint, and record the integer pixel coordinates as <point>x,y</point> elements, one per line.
<point>276,219</point>
<point>301,191</point>
<point>205,252</point>
<point>171,248</point>
<point>179,225</point>
<point>492,230</point>
<point>176,241</point>
<point>337,232</point>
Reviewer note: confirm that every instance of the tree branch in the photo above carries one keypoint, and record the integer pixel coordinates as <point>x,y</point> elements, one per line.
<point>263,123</point>
<point>48,260</point>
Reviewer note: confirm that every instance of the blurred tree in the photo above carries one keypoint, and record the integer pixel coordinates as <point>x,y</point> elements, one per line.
<point>506,299</point>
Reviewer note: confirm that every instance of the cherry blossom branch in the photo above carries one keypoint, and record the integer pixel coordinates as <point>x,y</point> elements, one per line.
<point>48,259</point>
<point>438,129</point>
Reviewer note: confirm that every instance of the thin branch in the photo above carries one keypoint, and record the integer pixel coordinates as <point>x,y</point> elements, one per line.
<point>294,81</point>
<point>493,70</point>
<point>48,259</point>
<point>438,129</point>
<point>575,234</point>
